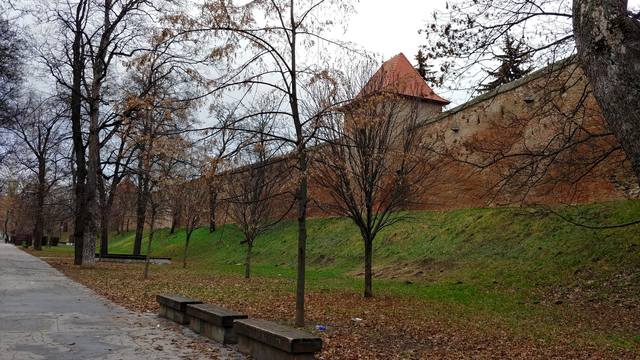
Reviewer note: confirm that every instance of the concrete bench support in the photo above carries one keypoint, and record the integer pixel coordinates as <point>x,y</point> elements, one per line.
<point>213,322</point>
<point>265,340</point>
<point>174,307</point>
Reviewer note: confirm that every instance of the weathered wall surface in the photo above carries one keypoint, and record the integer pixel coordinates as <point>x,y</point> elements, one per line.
<point>539,140</point>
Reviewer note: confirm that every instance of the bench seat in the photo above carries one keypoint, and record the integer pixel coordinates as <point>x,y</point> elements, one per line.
<point>174,307</point>
<point>266,340</point>
<point>214,322</point>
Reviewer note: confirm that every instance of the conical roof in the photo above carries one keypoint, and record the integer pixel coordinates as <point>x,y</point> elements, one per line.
<point>398,76</point>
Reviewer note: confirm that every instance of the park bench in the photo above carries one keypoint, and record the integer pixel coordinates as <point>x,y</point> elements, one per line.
<point>213,322</point>
<point>266,340</point>
<point>22,239</point>
<point>174,307</point>
<point>129,258</point>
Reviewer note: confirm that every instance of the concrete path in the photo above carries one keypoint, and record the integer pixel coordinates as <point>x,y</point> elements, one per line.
<point>45,315</point>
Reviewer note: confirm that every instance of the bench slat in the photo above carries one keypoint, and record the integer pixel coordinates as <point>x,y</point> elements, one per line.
<point>214,314</point>
<point>279,336</point>
<point>175,301</point>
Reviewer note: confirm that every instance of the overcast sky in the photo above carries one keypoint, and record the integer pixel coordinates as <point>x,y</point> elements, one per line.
<point>389,27</point>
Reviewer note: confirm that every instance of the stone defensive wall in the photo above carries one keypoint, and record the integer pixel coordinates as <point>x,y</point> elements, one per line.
<point>539,140</point>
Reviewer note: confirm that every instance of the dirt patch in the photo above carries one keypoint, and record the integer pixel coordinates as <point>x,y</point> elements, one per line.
<point>424,270</point>
<point>323,260</point>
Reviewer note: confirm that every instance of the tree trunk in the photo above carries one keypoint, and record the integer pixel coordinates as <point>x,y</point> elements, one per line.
<point>213,202</point>
<point>106,202</point>
<point>104,232</point>
<point>38,232</point>
<point>80,213</point>
<point>91,230</point>
<point>6,226</point>
<point>247,261</point>
<point>175,217</point>
<point>608,44</point>
<point>302,245</point>
<point>368,272</point>
<point>186,248</point>
<point>151,231</point>
<point>174,220</point>
<point>141,208</point>
<point>104,219</point>
<point>301,194</point>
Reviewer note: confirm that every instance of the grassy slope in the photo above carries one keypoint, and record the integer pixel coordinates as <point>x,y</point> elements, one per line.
<point>497,262</point>
<point>518,247</point>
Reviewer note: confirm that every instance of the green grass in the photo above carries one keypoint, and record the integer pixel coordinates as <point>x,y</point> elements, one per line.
<point>478,247</point>
<point>496,263</point>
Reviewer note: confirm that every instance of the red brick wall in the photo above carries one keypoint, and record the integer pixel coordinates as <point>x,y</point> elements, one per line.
<point>532,113</point>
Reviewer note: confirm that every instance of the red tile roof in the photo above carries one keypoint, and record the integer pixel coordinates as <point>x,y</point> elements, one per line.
<point>398,76</point>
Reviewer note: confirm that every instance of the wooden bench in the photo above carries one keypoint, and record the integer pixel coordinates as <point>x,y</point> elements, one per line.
<point>266,340</point>
<point>174,307</point>
<point>213,322</point>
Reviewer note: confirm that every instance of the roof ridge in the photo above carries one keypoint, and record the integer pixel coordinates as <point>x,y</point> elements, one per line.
<point>399,76</point>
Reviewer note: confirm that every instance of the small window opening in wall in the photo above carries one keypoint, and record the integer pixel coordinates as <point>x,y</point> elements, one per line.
<point>478,119</point>
<point>527,96</point>
<point>455,126</point>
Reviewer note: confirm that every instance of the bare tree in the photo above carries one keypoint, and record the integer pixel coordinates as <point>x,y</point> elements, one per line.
<point>120,209</point>
<point>372,165</point>
<point>465,38</point>
<point>159,113</point>
<point>162,183</point>
<point>175,203</point>
<point>159,105</point>
<point>9,200</point>
<point>94,36</point>
<point>189,185</point>
<point>278,41</point>
<point>10,70</point>
<point>20,220</point>
<point>194,195</point>
<point>155,207</point>
<point>253,190</point>
<point>39,132</point>
<point>123,208</point>
<point>115,167</point>
<point>221,145</point>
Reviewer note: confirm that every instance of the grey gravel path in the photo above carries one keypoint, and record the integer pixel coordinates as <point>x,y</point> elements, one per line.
<point>45,315</point>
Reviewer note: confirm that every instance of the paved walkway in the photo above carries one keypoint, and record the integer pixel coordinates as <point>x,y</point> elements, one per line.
<point>45,315</point>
